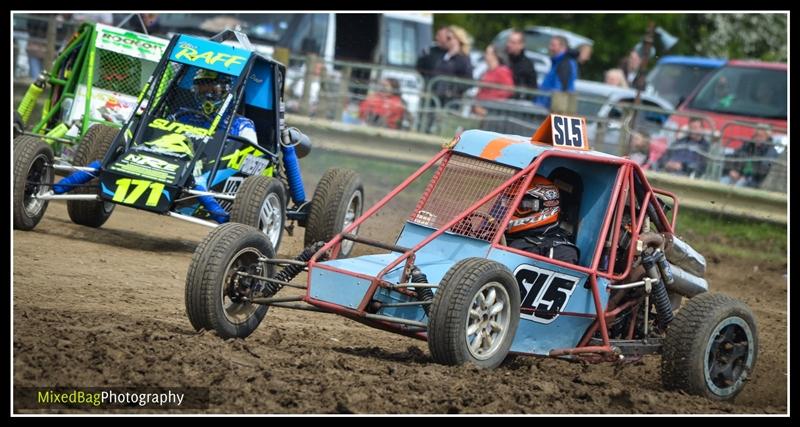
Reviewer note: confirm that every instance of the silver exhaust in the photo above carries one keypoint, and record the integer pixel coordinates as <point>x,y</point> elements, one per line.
<point>685,283</point>
<point>680,254</point>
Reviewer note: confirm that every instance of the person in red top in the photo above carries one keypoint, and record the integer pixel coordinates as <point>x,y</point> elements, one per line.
<point>385,107</point>
<point>497,73</point>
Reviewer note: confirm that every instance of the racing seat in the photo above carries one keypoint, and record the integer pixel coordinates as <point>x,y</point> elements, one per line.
<point>570,187</point>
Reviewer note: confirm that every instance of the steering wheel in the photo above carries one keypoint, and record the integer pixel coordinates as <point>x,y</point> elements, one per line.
<point>479,225</point>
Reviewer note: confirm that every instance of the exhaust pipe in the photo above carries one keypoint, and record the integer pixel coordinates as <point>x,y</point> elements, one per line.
<point>680,254</point>
<point>685,283</point>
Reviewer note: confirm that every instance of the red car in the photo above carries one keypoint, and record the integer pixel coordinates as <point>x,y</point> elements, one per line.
<point>735,98</point>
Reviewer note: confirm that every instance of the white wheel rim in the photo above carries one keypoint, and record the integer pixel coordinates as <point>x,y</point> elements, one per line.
<point>237,312</point>
<point>354,207</point>
<point>270,218</point>
<point>488,320</point>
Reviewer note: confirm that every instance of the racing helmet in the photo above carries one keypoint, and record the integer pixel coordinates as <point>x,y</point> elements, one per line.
<point>210,88</point>
<point>539,207</point>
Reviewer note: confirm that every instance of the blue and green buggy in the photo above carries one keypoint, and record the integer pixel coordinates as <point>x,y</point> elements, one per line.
<point>452,277</point>
<point>205,162</point>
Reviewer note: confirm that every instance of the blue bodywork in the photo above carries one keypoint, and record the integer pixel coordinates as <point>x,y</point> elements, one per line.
<point>535,335</point>
<point>692,61</point>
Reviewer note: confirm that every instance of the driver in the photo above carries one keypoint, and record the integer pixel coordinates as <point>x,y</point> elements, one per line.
<point>534,225</point>
<point>210,89</point>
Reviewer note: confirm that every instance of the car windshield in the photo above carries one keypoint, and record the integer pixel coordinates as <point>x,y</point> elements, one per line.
<point>751,92</point>
<point>537,42</point>
<point>675,81</point>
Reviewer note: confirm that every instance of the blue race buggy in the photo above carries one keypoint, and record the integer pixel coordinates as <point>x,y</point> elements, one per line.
<point>452,278</point>
<point>208,145</point>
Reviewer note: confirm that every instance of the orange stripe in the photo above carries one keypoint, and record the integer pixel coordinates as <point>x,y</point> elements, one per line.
<point>494,147</point>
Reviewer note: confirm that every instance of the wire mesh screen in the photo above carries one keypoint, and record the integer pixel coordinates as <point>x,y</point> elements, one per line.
<point>458,184</point>
<point>121,73</point>
<point>188,99</point>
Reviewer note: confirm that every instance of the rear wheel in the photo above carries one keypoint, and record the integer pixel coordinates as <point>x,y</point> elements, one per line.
<point>33,175</point>
<point>93,146</point>
<point>261,203</point>
<point>710,348</point>
<point>338,201</point>
<point>217,296</point>
<point>474,314</point>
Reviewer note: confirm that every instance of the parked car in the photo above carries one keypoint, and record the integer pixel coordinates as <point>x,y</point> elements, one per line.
<point>674,77</point>
<point>600,100</point>
<point>735,99</point>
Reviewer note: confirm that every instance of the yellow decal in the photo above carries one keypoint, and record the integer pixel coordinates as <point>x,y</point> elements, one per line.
<point>178,128</point>
<point>121,195</point>
<point>209,57</point>
<point>236,158</point>
<point>173,143</point>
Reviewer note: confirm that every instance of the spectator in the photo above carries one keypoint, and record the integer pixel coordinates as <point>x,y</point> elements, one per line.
<point>630,66</point>
<point>582,54</point>
<point>723,97</point>
<point>431,56</point>
<point>497,73</point>
<point>153,24</point>
<point>384,108</point>
<point>744,169</point>
<point>640,148</point>
<point>616,77</point>
<point>524,73</point>
<point>686,156</point>
<point>563,72</point>
<point>455,63</point>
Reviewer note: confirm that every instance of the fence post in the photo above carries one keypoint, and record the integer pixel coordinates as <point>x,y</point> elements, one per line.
<point>311,64</point>
<point>344,89</point>
<point>50,53</point>
<point>564,102</point>
<point>624,132</point>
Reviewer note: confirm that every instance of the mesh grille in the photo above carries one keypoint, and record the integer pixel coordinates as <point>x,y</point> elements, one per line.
<point>460,182</point>
<point>121,73</point>
<point>180,104</point>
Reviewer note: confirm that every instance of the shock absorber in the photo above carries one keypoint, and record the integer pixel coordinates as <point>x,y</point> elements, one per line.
<point>423,294</point>
<point>292,270</point>
<point>290,162</point>
<point>28,103</point>
<point>659,292</point>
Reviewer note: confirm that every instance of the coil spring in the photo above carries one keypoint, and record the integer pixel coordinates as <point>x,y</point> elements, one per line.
<point>292,270</point>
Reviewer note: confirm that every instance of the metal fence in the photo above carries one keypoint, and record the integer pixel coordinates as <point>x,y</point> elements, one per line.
<point>400,98</point>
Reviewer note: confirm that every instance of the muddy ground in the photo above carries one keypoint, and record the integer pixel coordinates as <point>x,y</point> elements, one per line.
<point>105,307</point>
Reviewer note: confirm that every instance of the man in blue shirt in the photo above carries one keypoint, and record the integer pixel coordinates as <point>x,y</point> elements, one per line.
<point>563,71</point>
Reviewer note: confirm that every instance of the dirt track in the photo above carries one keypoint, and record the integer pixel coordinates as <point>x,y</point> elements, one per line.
<point>105,308</point>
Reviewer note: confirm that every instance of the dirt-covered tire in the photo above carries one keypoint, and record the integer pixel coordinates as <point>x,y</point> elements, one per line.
<point>229,248</point>
<point>93,146</point>
<point>19,125</point>
<point>711,347</point>
<point>338,201</point>
<point>465,317</point>
<point>32,158</point>
<point>261,203</point>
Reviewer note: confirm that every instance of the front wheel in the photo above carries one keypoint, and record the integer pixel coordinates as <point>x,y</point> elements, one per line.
<point>710,348</point>
<point>261,203</point>
<point>474,314</point>
<point>338,201</point>
<point>217,294</point>
<point>33,175</point>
